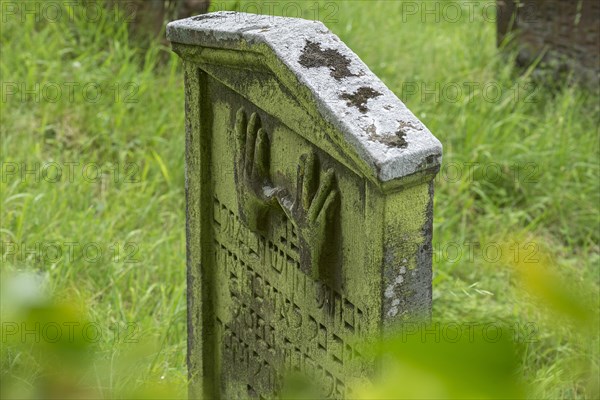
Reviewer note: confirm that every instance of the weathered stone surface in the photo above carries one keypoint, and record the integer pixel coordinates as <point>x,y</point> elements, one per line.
<point>309,205</point>
<point>565,33</point>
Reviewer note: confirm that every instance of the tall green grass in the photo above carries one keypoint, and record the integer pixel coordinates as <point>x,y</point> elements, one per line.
<point>133,212</point>
<point>532,152</point>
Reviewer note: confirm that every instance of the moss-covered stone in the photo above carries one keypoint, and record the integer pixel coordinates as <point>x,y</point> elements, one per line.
<point>307,237</point>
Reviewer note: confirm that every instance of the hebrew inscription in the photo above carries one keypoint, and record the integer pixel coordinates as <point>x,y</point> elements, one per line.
<point>281,319</point>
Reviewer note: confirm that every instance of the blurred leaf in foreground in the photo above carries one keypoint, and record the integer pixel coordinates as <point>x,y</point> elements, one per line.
<point>453,360</point>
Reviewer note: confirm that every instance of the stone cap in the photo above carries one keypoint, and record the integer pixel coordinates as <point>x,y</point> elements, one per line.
<point>376,124</point>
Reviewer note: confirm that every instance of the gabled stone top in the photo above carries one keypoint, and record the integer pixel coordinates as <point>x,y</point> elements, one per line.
<point>380,128</point>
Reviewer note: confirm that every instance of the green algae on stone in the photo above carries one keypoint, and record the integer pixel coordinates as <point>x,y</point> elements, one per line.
<point>309,206</point>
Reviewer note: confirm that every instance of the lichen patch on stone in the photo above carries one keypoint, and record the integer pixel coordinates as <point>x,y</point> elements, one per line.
<point>359,98</point>
<point>397,140</point>
<point>313,56</point>
<point>403,125</point>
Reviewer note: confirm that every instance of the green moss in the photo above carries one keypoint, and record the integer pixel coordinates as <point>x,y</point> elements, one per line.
<point>322,288</point>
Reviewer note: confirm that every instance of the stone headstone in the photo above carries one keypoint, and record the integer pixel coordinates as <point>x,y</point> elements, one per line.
<point>309,205</point>
<point>566,34</point>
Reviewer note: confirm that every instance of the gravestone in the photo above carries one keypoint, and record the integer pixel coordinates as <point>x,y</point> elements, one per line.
<point>309,206</point>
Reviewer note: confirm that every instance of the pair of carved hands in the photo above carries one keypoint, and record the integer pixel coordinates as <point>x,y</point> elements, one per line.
<point>312,205</point>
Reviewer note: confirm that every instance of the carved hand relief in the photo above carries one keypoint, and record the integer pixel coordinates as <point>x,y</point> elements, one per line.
<point>312,207</point>
<point>313,210</point>
<point>256,194</point>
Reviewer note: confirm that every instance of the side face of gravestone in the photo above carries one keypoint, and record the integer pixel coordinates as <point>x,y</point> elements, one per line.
<point>309,206</point>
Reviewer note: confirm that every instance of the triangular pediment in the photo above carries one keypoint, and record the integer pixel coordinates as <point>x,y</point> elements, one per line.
<point>303,75</point>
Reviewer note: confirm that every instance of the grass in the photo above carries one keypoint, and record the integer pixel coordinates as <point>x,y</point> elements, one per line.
<point>533,191</point>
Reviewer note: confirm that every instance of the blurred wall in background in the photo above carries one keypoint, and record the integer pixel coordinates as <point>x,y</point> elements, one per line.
<point>148,17</point>
<point>568,31</point>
